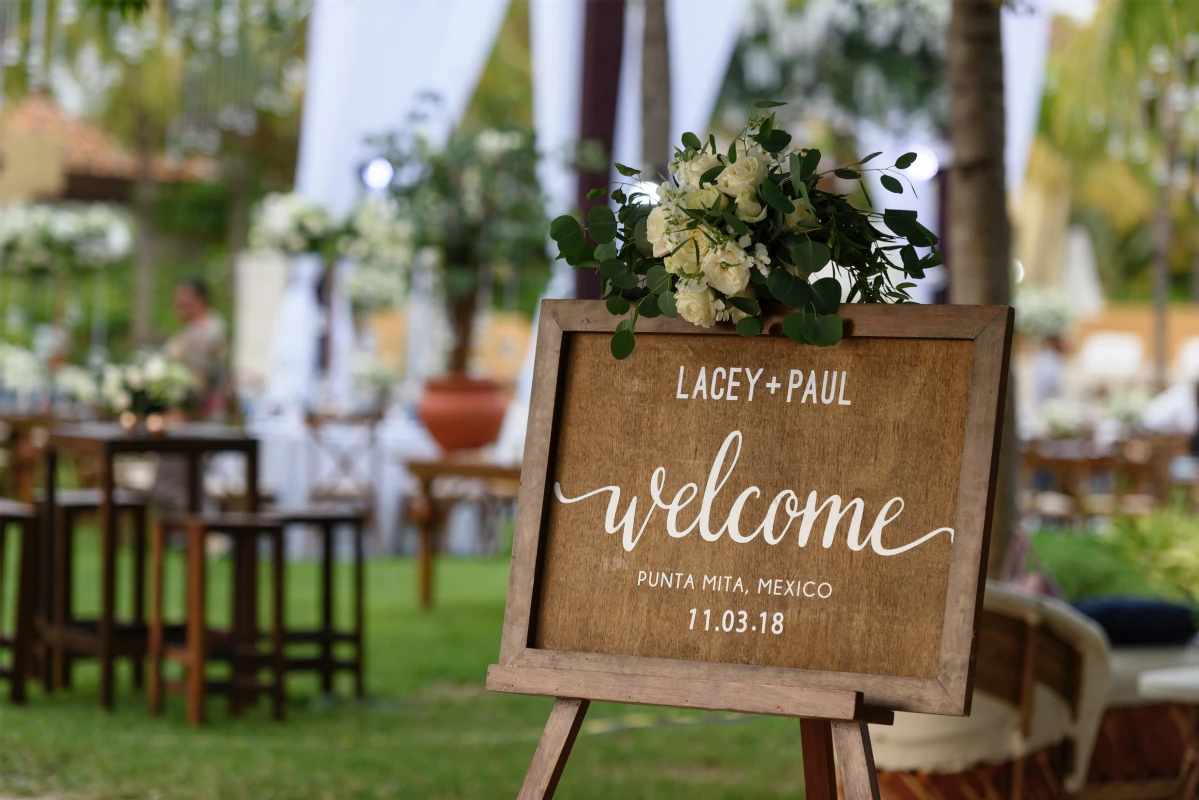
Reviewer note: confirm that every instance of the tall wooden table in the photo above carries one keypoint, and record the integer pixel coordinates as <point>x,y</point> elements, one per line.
<point>106,441</point>
<point>431,519</point>
<point>25,434</point>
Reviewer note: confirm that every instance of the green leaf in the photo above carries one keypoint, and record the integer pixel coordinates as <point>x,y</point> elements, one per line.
<point>933,259</point>
<point>904,161</point>
<point>892,184</point>
<point>605,251</point>
<point>667,305</point>
<point>774,142</point>
<point>903,223</point>
<point>795,165</point>
<point>811,162</point>
<point>822,330</point>
<point>596,193</point>
<point>733,152</point>
<point>619,196</point>
<point>827,292</point>
<point>768,104</point>
<point>617,305</point>
<point>746,304</point>
<point>649,308</point>
<point>793,326</point>
<point>619,273</point>
<point>628,172</point>
<point>911,261</point>
<point>739,227</point>
<point>622,342</point>
<point>847,174</point>
<point>690,140</point>
<point>602,225</point>
<point>641,237</point>
<point>749,326</point>
<point>775,198</point>
<point>789,290</point>
<point>808,255</point>
<point>572,245</point>
<point>657,280</point>
<point>562,227</point>
<point>871,156</point>
<point>710,175</point>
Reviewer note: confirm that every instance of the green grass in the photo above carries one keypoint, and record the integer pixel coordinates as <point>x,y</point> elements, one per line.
<point>428,729</point>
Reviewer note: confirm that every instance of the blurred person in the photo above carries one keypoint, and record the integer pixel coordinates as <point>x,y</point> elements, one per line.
<point>1049,371</point>
<point>202,346</point>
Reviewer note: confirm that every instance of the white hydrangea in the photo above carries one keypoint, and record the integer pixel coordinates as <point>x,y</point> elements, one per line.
<point>289,223</point>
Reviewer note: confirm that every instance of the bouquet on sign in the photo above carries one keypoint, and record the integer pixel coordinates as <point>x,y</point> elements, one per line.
<point>150,385</point>
<point>734,228</point>
<point>290,224</point>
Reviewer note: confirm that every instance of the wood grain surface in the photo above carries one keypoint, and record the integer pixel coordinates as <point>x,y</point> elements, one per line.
<point>895,428</point>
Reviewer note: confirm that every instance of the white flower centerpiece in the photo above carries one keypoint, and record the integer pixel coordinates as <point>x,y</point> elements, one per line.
<point>735,228</point>
<point>288,223</point>
<point>379,238</point>
<point>40,239</point>
<point>147,390</point>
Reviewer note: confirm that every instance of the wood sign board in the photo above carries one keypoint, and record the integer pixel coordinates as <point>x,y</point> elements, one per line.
<point>754,524</point>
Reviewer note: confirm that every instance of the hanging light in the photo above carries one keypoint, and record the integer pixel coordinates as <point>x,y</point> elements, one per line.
<point>378,173</point>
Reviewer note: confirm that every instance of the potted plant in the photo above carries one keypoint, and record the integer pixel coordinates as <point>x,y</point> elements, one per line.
<point>477,212</point>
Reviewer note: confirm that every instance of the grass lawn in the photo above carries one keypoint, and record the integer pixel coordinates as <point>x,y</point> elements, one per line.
<point>428,729</point>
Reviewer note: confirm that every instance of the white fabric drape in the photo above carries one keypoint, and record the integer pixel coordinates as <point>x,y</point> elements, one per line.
<point>370,62</point>
<point>292,381</point>
<point>1025,49</point>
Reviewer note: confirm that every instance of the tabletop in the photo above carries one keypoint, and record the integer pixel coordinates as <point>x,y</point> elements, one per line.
<point>1177,684</point>
<point>461,467</point>
<point>182,438</point>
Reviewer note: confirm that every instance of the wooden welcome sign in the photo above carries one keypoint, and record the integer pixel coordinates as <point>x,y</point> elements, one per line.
<point>754,525</point>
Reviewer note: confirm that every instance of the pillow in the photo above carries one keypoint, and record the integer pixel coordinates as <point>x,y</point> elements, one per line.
<point>1136,621</point>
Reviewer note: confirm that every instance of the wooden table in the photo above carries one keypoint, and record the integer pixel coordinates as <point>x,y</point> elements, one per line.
<point>25,435</point>
<point>105,442</point>
<point>431,519</point>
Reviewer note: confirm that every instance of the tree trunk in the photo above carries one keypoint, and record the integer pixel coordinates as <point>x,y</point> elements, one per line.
<point>979,236</point>
<point>655,92</point>
<point>237,220</point>
<point>144,196</point>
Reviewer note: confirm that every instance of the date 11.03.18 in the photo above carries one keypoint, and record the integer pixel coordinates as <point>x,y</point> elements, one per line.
<point>736,621</point>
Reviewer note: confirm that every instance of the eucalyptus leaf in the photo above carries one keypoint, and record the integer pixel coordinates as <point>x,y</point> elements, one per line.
<point>774,142</point>
<point>649,307</point>
<point>746,304</point>
<point>618,195</point>
<point>775,198</point>
<point>710,175</point>
<point>810,256</point>
<point>657,280</point>
<point>822,330</point>
<point>736,224</point>
<point>749,326</point>
<point>692,141</point>
<point>827,295</point>
<point>871,156</point>
<point>619,273</point>
<point>811,162</point>
<point>789,290</point>
<point>768,104</point>
<point>617,305</point>
<point>606,250</point>
<point>596,193</point>
<point>641,237</point>
<point>628,172</point>
<point>847,174</point>
<point>906,160</point>
<point>602,224</point>
<point>892,184</point>
<point>622,344</point>
<point>793,326</point>
<point>667,305</point>
<point>733,152</point>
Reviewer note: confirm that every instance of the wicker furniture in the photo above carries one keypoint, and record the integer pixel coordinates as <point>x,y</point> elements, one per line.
<point>201,643</point>
<point>17,643</point>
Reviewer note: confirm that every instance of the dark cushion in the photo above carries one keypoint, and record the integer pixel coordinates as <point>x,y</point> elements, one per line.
<point>1136,621</point>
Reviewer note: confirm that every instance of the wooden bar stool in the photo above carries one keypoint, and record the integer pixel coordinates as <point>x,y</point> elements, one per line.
<point>19,642</point>
<point>69,636</point>
<point>201,643</point>
<point>326,521</point>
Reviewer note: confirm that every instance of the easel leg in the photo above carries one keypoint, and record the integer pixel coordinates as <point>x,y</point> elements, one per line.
<point>858,778</point>
<point>819,774</point>
<point>554,748</point>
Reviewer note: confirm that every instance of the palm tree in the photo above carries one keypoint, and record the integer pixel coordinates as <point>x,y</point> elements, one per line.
<point>979,234</point>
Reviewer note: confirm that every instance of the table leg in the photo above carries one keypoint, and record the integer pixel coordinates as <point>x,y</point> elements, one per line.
<point>139,588</point>
<point>108,540</point>
<point>327,607</point>
<point>45,583</point>
<point>428,544</point>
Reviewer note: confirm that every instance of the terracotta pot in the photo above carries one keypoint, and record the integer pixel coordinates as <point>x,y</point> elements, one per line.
<point>461,412</point>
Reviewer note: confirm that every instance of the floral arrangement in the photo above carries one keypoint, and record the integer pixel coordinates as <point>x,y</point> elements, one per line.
<point>380,240</point>
<point>290,224</point>
<point>476,206</point>
<point>21,370</point>
<point>1127,406</point>
<point>77,384</point>
<point>1063,418</point>
<point>743,226</point>
<point>39,238</point>
<point>1043,313</point>
<point>149,385</point>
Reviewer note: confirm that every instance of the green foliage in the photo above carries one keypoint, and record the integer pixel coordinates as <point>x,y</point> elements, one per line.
<point>1165,548</point>
<point>744,228</point>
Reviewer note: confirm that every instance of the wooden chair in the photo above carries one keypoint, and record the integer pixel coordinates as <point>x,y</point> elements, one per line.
<point>62,644</point>
<point>328,636</point>
<point>1039,692</point>
<point>343,462</point>
<point>19,642</point>
<point>201,643</point>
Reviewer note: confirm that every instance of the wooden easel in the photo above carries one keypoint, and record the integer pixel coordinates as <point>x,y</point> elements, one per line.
<point>820,737</point>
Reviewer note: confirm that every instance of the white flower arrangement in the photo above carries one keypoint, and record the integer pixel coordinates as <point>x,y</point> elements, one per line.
<point>379,235</point>
<point>370,287</point>
<point>21,371</point>
<point>1063,418</point>
<point>372,373</point>
<point>43,237</point>
<point>290,224</point>
<point>1043,313</point>
<point>152,384</point>
<point>77,384</point>
<point>1127,406</point>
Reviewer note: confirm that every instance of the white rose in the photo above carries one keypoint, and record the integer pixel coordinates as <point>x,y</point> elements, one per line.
<point>703,198</point>
<point>727,268</point>
<point>746,175</point>
<point>696,306</point>
<point>689,172</point>
<point>689,257</point>
<point>655,231</point>
<point>748,207</point>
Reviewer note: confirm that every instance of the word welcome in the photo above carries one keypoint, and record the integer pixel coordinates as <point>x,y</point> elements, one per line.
<point>737,383</point>
<point>786,504</point>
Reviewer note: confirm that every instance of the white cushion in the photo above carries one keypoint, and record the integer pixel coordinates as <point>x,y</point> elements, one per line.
<point>1129,663</point>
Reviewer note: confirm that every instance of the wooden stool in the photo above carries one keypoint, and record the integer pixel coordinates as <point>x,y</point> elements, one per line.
<point>19,644</point>
<point>63,641</point>
<point>327,636</point>
<point>200,643</point>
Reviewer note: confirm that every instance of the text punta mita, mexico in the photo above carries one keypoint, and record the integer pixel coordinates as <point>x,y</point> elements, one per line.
<point>785,505</point>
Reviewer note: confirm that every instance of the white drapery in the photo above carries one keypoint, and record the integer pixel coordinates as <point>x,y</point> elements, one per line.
<point>369,64</point>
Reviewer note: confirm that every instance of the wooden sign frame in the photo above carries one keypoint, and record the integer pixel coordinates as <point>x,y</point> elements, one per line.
<point>848,700</point>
